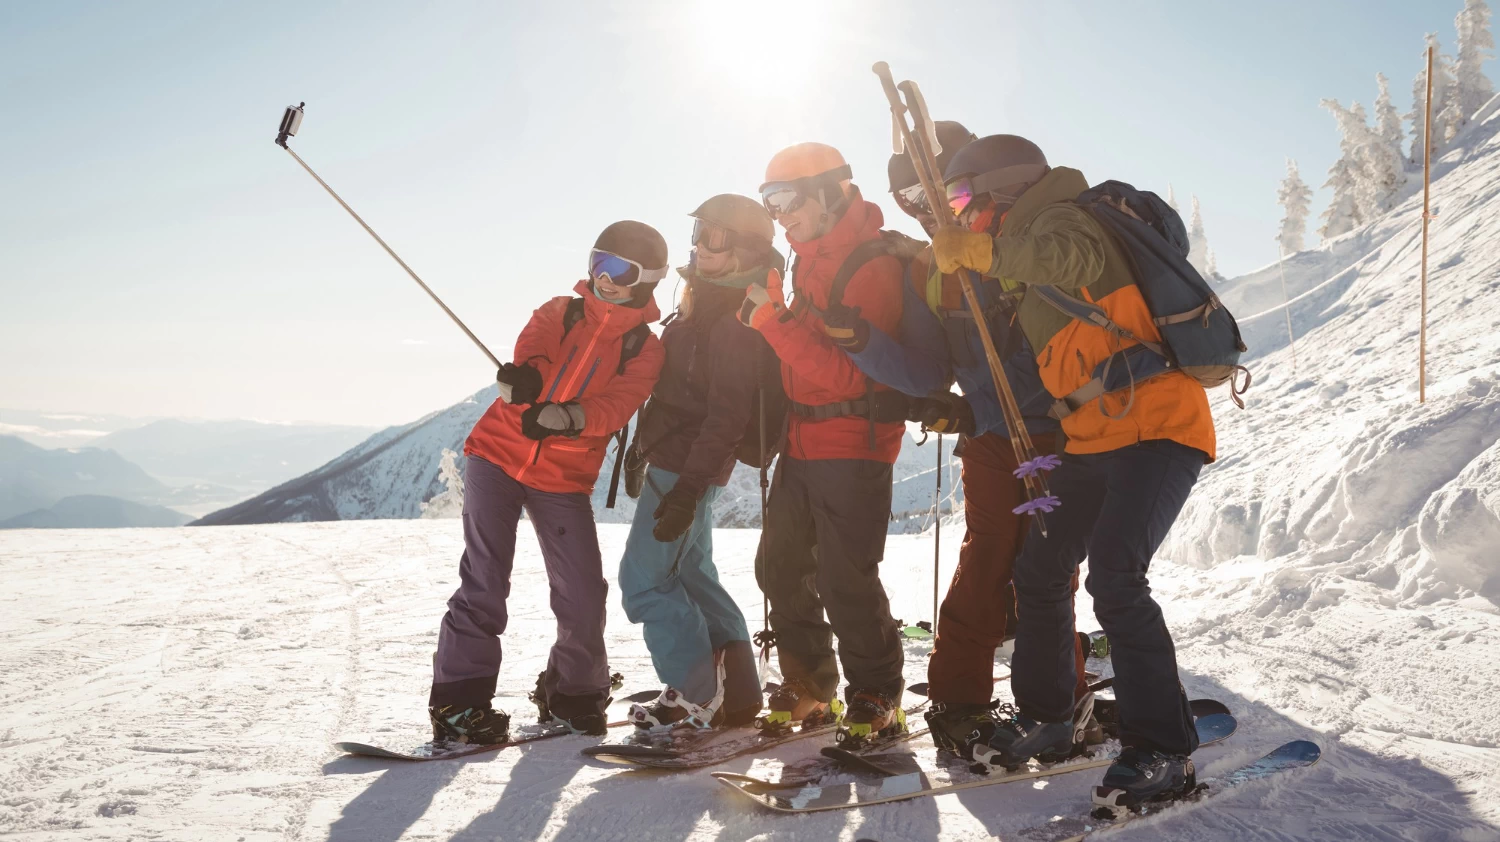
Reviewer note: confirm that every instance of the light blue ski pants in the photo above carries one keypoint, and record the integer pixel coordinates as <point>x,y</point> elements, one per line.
<point>674,591</point>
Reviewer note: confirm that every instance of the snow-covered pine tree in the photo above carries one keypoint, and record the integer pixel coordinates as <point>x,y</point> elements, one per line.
<point>1172,198</point>
<point>1211,267</point>
<point>1443,91</point>
<point>1197,240</point>
<point>450,501</point>
<point>1381,153</point>
<point>1295,197</point>
<point>1348,178</point>
<point>1475,46</point>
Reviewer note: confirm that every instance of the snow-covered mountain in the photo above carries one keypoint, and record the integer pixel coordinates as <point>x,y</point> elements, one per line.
<point>32,477</point>
<point>391,474</point>
<point>90,511</point>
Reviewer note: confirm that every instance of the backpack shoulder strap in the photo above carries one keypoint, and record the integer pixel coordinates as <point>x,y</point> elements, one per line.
<point>572,315</point>
<point>631,344</point>
<point>862,254</point>
<point>1088,313</point>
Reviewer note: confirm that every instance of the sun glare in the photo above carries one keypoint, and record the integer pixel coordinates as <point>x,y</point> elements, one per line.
<point>743,42</point>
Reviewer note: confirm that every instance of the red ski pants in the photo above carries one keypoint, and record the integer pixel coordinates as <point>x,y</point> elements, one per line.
<point>972,620</point>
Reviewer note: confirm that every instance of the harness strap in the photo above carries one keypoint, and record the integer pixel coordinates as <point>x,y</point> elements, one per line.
<point>1202,311</point>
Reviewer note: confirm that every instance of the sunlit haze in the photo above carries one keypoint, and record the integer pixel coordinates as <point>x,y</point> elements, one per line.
<point>159,256</point>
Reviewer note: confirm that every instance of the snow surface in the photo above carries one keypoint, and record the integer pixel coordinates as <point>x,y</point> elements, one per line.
<point>187,684</point>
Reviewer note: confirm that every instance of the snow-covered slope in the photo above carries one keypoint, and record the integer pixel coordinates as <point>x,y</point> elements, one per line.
<point>187,684</point>
<point>394,472</point>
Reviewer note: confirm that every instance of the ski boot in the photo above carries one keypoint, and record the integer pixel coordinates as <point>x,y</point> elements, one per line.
<point>1016,738</point>
<point>472,725</point>
<point>870,716</point>
<point>1141,775</point>
<point>794,704</point>
<point>953,724</point>
<point>577,715</point>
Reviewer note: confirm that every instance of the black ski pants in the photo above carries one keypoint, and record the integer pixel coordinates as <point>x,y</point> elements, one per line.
<point>820,551</point>
<point>1116,509</point>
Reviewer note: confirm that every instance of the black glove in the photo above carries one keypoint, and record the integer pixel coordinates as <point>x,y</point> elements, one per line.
<point>519,383</point>
<point>635,472</point>
<point>847,330</point>
<point>675,514</point>
<point>545,419</point>
<point>945,413</point>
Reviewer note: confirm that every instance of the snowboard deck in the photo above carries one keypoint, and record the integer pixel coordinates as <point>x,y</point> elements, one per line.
<point>869,759</point>
<point>698,749</point>
<point>434,750</point>
<point>1297,754</point>
<point>894,782</point>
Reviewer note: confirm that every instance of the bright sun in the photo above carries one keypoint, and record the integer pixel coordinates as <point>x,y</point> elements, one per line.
<point>745,41</point>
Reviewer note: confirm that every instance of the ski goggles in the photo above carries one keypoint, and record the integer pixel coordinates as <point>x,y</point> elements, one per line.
<point>1004,185</point>
<point>604,264</point>
<point>913,200</point>
<point>781,197</point>
<point>718,239</point>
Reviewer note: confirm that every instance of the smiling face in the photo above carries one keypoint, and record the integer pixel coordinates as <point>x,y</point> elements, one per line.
<point>804,223</point>
<point>608,291</point>
<point>712,264</point>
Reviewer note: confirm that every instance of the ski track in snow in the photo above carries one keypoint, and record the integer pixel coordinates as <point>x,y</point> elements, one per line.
<point>188,683</point>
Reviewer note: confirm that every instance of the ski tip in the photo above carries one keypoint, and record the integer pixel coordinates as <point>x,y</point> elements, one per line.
<point>1300,751</point>
<point>918,689</point>
<point>643,696</point>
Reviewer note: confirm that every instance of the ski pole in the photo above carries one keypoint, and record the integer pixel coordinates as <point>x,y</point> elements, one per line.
<point>290,122</point>
<point>937,531</point>
<point>925,163</point>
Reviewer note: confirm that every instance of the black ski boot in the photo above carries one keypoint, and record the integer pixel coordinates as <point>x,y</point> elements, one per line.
<point>1141,775</point>
<point>953,724</point>
<point>578,714</point>
<point>473,725</point>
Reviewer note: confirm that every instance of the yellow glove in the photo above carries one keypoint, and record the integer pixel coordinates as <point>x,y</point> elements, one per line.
<point>959,248</point>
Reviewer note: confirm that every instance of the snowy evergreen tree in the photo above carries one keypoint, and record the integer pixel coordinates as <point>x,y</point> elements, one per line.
<point>1446,111</point>
<point>1198,240</point>
<point>450,501</point>
<point>1211,267</point>
<point>1381,154</point>
<point>1172,198</point>
<point>1349,179</point>
<point>1475,46</point>
<point>1295,197</point>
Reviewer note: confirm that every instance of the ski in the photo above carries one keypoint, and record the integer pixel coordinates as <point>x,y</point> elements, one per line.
<point>901,777</point>
<point>1297,754</point>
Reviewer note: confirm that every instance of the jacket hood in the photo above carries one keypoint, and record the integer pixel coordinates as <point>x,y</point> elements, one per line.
<point>622,317</point>
<point>1062,184</point>
<point>861,222</point>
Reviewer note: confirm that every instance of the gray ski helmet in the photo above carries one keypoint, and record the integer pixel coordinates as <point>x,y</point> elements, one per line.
<point>997,162</point>
<point>634,241</point>
<point>952,136</point>
<point>740,214</point>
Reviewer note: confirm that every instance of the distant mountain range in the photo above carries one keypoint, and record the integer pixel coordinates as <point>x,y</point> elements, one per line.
<point>391,475</point>
<point>88,511</point>
<point>34,478</point>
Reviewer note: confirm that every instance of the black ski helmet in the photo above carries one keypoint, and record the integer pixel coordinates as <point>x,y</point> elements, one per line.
<point>634,241</point>
<point>1002,165</point>
<point>951,136</point>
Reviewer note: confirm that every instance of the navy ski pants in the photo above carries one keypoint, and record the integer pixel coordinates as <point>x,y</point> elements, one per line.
<point>1116,510</point>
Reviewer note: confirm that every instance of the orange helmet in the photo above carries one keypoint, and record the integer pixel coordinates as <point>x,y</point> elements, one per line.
<point>804,160</point>
<point>806,169</point>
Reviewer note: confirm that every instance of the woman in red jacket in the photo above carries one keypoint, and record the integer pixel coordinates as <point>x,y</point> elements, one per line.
<point>581,369</point>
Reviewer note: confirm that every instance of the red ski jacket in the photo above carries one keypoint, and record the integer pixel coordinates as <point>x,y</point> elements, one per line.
<point>579,366</point>
<point>813,369</point>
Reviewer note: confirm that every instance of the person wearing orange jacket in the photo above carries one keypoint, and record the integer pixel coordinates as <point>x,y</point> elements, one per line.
<point>1131,460</point>
<point>831,498</point>
<point>582,367</point>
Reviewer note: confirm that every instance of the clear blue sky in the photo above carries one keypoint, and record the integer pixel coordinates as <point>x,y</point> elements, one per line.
<point>160,256</point>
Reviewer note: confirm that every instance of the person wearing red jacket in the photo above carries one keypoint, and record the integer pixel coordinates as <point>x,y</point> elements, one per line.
<point>831,498</point>
<point>581,369</point>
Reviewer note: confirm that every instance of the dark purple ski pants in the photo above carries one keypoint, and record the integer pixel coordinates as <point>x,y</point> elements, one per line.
<point>467,662</point>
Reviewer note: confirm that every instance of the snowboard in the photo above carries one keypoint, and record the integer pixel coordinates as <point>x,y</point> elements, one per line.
<point>868,759</point>
<point>900,777</point>
<point>693,749</point>
<point>445,750</point>
<point>1297,754</point>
